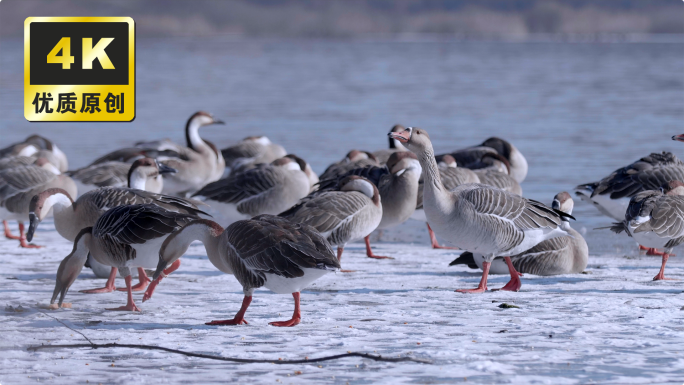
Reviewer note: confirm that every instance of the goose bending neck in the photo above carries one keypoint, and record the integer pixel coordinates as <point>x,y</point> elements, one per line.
<point>60,201</point>
<point>203,230</point>
<point>192,136</point>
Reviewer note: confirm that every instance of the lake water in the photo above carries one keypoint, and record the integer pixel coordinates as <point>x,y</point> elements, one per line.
<point>576,110</point>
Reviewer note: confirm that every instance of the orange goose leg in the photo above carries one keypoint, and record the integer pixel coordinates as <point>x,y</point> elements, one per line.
<point>369,252</point>
<point>22,238</point>
<point>296,316</point>
<point>482,287</point>
<point>143,281</point>
<point>130,305</point>
<point>8,233</point>
<point>514,284</point>
<point>239,317</point>
<point>433,239</point>
<point>150,290</point>
<point>339,258</point>
<point>661,274</point>
<point>109,286</point>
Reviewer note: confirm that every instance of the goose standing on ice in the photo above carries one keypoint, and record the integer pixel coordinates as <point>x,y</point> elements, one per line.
<point>252,150</point>
<point>481,218</point>
<point>71,217</point>
<point>19,184</point>
<point>198,164</point>
<point>265,251</point>
<point>451,177</point>
<point>266,189</point>
<point>561,255</point>
<point>351,212</point>
<point>655,219</point>
<point>397,183</point>
<point>394,146</point>
<point>124,237</point>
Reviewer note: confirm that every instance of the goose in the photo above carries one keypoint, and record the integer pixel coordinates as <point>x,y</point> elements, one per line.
<point>394,146</point>
<point>351,212</point>
<point>71,216</point>
<point>265,251</point>
<point>353,159</point>
<point>19,184</point>
<point>481,218</point>
<point>252,150</point>
<point>655,219</point>
<point>38,144</point>
<point>397,183</point>
<point>452,177</point>
<point>511,158</point>
<point>313,177</point>
<point>198,164</point>
<point>124,237</point>
<point>489,176</point>
<point>116,174</point>
<point>562,255</point>
<point>265,189</point>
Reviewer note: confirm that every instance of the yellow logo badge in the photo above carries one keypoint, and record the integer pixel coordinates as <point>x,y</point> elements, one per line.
<point>79,69</point>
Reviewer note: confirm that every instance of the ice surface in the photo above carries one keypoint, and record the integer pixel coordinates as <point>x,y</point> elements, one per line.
<point>613,325</point>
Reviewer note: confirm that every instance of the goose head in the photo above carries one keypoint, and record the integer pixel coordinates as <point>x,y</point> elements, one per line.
<point>289,163</point>
<point>563,202</point>
<point>356,155</point>
<point>414,138</point>
<point>40,205</point>
<point>362,185</point>
<point>400,162</point>
<point>147,168</point>
<point>446,161</point>
<point>393,143</point>
<point>197,120</point>
<point>672,188</point>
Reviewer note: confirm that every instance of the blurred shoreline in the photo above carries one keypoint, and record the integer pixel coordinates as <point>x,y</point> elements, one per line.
<point>522,20</point>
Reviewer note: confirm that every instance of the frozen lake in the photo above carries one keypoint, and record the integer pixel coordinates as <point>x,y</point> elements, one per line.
<point>576,110</point>
<point>613,325</point>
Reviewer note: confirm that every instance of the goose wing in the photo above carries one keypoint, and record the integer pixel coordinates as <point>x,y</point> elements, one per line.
<point>375,174</point>
<point>647,173</point>
<point>328,210</point>
<point>275,245</point>
<point>544,254</point>
<point>109,197</point>
<point>241,186</point>
<point>523,213</point>
<point>21,179</point>
<point>113,173</point>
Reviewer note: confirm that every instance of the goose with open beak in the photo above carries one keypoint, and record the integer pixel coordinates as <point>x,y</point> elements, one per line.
<point>265,251</point>
<point>382,156</point>
<point>71,216</point>
<point>124,237</point>
<point>481,218</point>
<point>655,219</point>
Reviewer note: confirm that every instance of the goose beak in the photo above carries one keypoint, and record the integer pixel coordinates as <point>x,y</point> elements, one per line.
<point>33,224</point>
<point>164,169</point>
<point>403,137</point>
<point>219,121</point>
<point>67,273</point>
<point>679,138</point>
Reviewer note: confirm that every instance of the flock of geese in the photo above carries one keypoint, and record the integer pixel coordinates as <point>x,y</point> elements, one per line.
<point>138,209</point>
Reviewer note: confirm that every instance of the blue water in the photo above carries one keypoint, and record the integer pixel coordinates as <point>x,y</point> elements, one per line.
<point>576,110</point>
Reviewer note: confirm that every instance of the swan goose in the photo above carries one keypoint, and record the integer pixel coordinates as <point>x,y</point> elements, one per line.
<point>71,216</point>
<point>481,218</point>
<point>265,251</point>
